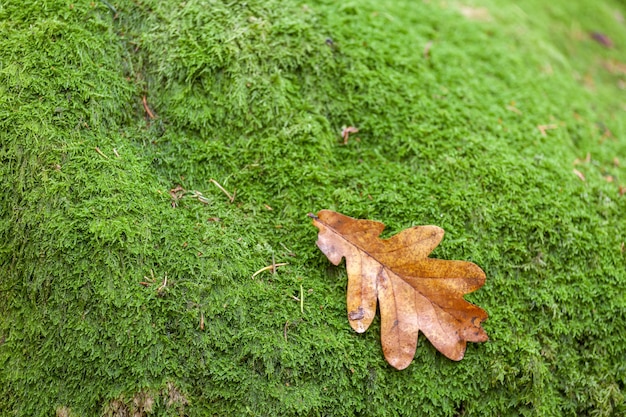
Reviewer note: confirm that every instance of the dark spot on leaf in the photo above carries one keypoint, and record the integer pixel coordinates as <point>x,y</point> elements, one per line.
<point>356,314</point>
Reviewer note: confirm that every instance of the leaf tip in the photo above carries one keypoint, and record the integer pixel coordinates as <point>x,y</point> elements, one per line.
<point>399,364</point>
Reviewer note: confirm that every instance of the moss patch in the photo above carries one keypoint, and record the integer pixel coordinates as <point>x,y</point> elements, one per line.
<point>127,271</point>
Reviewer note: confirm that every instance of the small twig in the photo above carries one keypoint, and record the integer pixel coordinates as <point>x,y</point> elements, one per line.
<point>148,281</point>
<point>203,199</point>
<point>146,108</point>
<point>201,321</point>
<point>115,152</point>
<point>289,252</point>
<point>427,47</point>
<point>101,153</point>
<point>273,265</point>
<point>544,128</point>
<point>579,174</point>
<point>511,107</point>
<point>268,268</point>
<point>162,287</point>
<point>584,161</point>
<point>200,197</point>
<point>230,197</point>
<point>301,299</point>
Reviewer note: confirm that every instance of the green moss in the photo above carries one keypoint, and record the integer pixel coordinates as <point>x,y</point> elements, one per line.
<point>255,96</point>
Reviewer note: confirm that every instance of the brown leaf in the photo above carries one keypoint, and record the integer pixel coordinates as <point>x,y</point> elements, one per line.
<point>602,39</point>
<point>345,133</point>
<point>176,194</point>
<point>579,174</point>
<point>415,292</point>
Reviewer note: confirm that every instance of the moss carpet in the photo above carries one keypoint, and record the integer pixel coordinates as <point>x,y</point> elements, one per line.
<point>126,284</point>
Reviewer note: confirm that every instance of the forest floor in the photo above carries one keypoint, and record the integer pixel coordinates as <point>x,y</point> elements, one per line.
<point>154,155</point>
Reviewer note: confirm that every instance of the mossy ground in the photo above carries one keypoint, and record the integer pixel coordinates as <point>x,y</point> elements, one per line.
<point>448,97</point>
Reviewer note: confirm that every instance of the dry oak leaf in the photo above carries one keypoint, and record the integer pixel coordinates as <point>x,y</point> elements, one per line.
<point>415,292</point>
